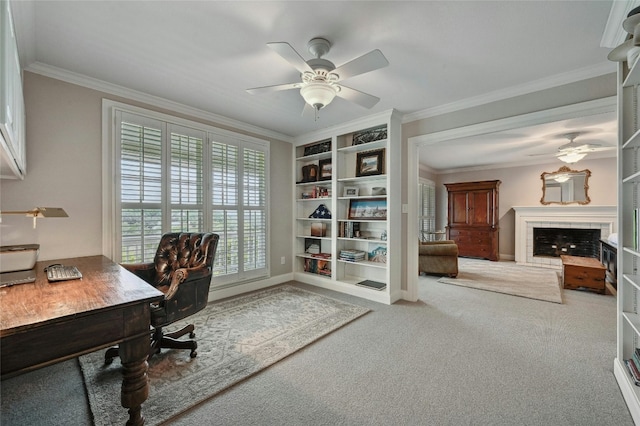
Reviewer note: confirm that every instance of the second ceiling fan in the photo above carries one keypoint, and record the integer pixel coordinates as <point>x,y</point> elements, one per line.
<point>320,79</point>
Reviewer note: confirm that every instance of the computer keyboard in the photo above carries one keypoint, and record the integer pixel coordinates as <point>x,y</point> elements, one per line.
<point>63,273</point>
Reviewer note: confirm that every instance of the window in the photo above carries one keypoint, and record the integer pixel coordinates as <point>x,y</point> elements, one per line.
<point>426,208</point>
<point>172,175</point>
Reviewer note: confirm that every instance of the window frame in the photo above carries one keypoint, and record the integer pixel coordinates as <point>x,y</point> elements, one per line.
<point>112,203</point>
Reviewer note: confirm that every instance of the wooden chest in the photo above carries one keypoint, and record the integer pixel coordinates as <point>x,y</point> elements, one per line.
<point>583,272</point>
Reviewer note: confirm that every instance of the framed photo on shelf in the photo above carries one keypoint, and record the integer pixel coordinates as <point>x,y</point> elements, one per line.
<point>324,167</point>
<point>368,209</point>
<point>351,191</point>
<point>318,148</point>
<point>370,135</point>
<point>370,163</point>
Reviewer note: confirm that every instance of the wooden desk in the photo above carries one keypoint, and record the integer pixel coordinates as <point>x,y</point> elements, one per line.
<point>44,323</point>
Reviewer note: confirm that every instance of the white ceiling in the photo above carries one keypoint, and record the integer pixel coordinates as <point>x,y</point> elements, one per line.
<point>204,54</point>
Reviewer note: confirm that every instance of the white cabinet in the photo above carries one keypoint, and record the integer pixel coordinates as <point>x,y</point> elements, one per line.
<point>352,171</point>
<point>12,115</point>
<point>628,323</point>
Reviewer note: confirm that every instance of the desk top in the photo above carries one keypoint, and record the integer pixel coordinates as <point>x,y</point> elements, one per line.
<point>104,285</point>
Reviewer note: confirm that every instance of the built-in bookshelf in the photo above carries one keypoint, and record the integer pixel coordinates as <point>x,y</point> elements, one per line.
<point>628,291</point>
<point>348,206</point>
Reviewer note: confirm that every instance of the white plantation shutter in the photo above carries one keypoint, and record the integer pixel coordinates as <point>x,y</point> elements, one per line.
<point>426,207</point>
<point>239,194</point>
<point>225,192</point>
<point>141,189</point>
<point>255,226</point>
<point>172,177</point>
<point>187,180</point>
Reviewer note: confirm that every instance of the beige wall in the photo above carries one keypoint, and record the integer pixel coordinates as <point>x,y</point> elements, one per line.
<point>64,169</point>
<point>581,91</point>
<point>64,166</point>
<point>522,186</point>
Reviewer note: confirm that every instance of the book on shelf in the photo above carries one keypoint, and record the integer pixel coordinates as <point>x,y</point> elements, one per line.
<point>349,229</point>
<point>317,266</point>
<point>633,371</point>
<point>376,285</point>
<point>322,255</point>
<point>636,357</point>
<point>352,255</point>
<point>317,192</point>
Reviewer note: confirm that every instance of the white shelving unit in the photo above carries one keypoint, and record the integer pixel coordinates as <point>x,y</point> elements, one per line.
<point>13,158</point>
<point>628,322</point>
<point>378,236</point>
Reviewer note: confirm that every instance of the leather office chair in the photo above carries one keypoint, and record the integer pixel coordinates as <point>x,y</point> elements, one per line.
<point>182,271</point>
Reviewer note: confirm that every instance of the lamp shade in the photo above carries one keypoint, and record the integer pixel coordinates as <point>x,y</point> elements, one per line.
<point>572,157</point>
<point>318,95</point>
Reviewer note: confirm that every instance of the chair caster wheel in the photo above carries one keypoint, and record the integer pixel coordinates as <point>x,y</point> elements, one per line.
<point>193,354</point>
<point>108,361</point>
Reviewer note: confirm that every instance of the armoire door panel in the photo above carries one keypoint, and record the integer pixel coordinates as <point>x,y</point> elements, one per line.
<point>459,208</point>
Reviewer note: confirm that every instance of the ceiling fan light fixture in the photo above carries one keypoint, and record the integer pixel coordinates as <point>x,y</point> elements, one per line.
<point>572,157</point>
<point>318,95</point>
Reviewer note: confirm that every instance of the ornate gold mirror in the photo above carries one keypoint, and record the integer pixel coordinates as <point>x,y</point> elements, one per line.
<point>565,186</point>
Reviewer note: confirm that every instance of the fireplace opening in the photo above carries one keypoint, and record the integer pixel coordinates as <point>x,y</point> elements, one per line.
<point>553,242</point>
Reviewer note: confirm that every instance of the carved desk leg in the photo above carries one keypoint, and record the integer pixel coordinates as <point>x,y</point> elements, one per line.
<point>133,356</point>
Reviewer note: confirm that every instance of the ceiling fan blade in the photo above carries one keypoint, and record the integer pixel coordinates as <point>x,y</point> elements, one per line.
<point>276,88</point>
<point>289,53</point>
<point>365,63</point>
<point>361,98</point>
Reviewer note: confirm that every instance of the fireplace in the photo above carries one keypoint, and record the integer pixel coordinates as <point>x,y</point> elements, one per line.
<point>555,242</point>
<point>602,219</point>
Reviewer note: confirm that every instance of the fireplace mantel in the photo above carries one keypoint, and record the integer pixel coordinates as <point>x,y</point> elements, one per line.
<point>580,217</point>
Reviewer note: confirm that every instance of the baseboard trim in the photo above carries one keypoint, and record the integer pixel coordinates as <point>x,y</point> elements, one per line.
<point>236,290</point>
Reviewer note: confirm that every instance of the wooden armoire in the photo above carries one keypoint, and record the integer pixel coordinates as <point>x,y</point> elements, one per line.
<point>473,218</point>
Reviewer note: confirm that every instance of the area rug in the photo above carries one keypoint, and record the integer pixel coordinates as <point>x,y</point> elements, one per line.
<point>236,339</point>
<point>508,278</point>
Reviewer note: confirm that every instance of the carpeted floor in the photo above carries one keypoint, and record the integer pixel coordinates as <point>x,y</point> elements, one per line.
<point>236,338</point>
<point>457,356</point>
<point>508,278</point>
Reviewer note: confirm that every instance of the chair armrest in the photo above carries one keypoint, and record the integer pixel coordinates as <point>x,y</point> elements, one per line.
<point>146,271</point>
<point>184,275</point>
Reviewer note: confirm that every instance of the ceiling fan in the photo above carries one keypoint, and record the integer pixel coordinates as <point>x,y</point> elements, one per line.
<point>320,79</point>
<point>573,151</point>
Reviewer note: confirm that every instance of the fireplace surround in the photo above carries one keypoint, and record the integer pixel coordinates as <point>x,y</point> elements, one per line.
<point>599,218</point>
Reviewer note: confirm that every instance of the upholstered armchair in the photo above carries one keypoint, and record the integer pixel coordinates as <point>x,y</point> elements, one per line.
<point>182,271</point>
<point>438,257</point>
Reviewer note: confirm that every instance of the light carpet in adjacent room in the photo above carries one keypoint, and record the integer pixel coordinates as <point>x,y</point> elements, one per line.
<point>236,338</point>
<point>508,278</point>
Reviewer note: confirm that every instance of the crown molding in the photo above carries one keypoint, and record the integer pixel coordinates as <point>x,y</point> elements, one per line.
<point>121,91</point>
<point>582,109</point>
<point>513,91</point>
<point>614,34</point>
<point>598,156</point>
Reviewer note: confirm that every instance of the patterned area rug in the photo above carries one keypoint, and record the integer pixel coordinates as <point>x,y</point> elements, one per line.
<point>508,278</point>
<point>236,339</point>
